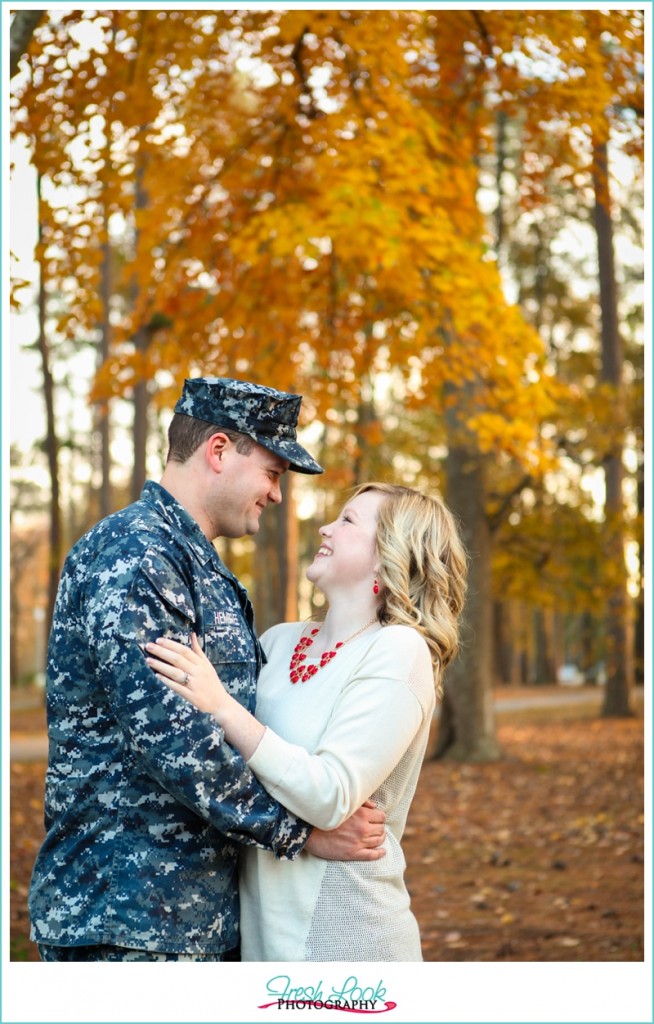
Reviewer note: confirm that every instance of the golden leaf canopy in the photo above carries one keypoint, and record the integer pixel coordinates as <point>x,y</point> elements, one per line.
<point>292,195</point>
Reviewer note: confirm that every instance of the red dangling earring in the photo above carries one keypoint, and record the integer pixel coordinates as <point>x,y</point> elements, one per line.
<point>375,587</point>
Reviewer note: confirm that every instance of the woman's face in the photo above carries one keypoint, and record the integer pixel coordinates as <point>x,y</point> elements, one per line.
<point>348,552</point>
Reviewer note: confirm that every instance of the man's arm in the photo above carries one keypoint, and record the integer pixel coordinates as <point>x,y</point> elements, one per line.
<point>359,838</point>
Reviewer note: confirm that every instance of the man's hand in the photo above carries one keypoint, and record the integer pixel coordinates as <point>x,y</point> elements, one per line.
<point>358,838</point>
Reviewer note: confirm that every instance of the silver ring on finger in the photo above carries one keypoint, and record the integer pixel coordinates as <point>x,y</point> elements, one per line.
<point>185,679</point>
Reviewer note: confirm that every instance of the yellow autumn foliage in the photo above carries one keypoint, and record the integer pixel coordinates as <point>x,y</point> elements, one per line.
<point>291,195</point>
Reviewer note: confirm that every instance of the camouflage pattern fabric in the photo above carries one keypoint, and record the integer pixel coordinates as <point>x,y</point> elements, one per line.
<point>266,415</point>
<point>145,803</point>
<point>115,954</point>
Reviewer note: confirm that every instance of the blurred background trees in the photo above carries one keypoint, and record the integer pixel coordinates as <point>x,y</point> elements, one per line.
<point>429,223</point>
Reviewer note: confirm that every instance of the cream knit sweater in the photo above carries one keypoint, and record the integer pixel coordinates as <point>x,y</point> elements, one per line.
<point>357,729</point>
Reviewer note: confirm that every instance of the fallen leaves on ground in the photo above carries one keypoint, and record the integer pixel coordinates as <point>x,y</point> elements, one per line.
<point>535,857</point>
<point>538,856</point>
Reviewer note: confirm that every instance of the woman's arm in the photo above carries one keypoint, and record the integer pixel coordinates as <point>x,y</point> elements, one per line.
<point>374,721</point>
<point>172,661</point>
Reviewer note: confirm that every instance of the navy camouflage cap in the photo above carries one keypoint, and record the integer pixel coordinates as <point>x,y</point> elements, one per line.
<point>266,415</point>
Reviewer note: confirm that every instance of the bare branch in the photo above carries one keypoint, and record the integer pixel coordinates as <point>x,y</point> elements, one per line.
<point>495,520</point>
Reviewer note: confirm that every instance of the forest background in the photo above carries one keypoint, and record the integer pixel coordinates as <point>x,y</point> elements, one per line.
<point>429,223</point>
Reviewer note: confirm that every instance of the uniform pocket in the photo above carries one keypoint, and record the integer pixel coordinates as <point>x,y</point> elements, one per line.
<point>231,651</point>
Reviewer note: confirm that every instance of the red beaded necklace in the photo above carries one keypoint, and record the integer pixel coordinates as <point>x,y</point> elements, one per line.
<point>299,672</point>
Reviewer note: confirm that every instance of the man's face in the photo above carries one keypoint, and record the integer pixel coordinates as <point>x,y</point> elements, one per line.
<point>246,484</point>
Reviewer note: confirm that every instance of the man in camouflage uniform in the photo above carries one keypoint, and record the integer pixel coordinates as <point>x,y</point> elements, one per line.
<point>146,805</point>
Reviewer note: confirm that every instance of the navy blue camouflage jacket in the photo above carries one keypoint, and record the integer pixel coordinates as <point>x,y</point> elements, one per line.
<point>146,804</point>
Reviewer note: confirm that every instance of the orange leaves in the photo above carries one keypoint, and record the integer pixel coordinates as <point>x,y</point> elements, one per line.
<point>295,191</point>
<point>497,432</point>
<point>543,886</point>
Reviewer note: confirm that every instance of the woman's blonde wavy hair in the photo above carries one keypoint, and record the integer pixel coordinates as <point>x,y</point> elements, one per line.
<point>422,568</point>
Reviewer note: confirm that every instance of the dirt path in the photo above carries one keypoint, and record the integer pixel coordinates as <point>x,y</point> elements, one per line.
<point>28,741</point>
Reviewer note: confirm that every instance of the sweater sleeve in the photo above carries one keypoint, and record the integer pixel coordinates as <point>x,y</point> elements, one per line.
<point>379,711</point>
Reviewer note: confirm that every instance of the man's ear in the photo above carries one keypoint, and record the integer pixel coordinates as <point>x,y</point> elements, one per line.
<point>216,445</point>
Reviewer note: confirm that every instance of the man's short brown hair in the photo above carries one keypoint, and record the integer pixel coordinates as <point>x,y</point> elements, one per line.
<point>186,434</point>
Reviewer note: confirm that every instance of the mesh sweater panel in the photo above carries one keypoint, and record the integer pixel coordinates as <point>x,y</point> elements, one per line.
<point>362,911</point>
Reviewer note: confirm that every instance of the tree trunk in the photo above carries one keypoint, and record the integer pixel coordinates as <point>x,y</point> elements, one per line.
<point>619,666</point>
<point>102,420</point>
<point>23,551</point>
<point>140,423</point>
<point>515,613</point>
<point>21,31</point>
<point>275,592</point>
<point>141,341</point>
<point>51,440</point>
<point>502,651</point>
<point>467,725</point>
<point>588,656</point>
<point>639,624</point>
<point>366,417</point>
<point>466,729</point>
<point>500,146</point>
<point>292,549</point>
<point>544,672</point>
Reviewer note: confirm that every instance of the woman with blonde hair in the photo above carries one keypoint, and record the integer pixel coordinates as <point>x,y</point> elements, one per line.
<point>343,714</point>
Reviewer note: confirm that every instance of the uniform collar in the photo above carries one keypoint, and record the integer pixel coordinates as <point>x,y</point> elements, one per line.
<point>177,516</point>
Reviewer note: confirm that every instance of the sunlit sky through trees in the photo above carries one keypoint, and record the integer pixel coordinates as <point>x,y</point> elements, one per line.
<point>26,425</point>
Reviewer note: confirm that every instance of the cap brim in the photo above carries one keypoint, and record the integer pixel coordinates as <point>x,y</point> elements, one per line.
<point>297,457</point>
